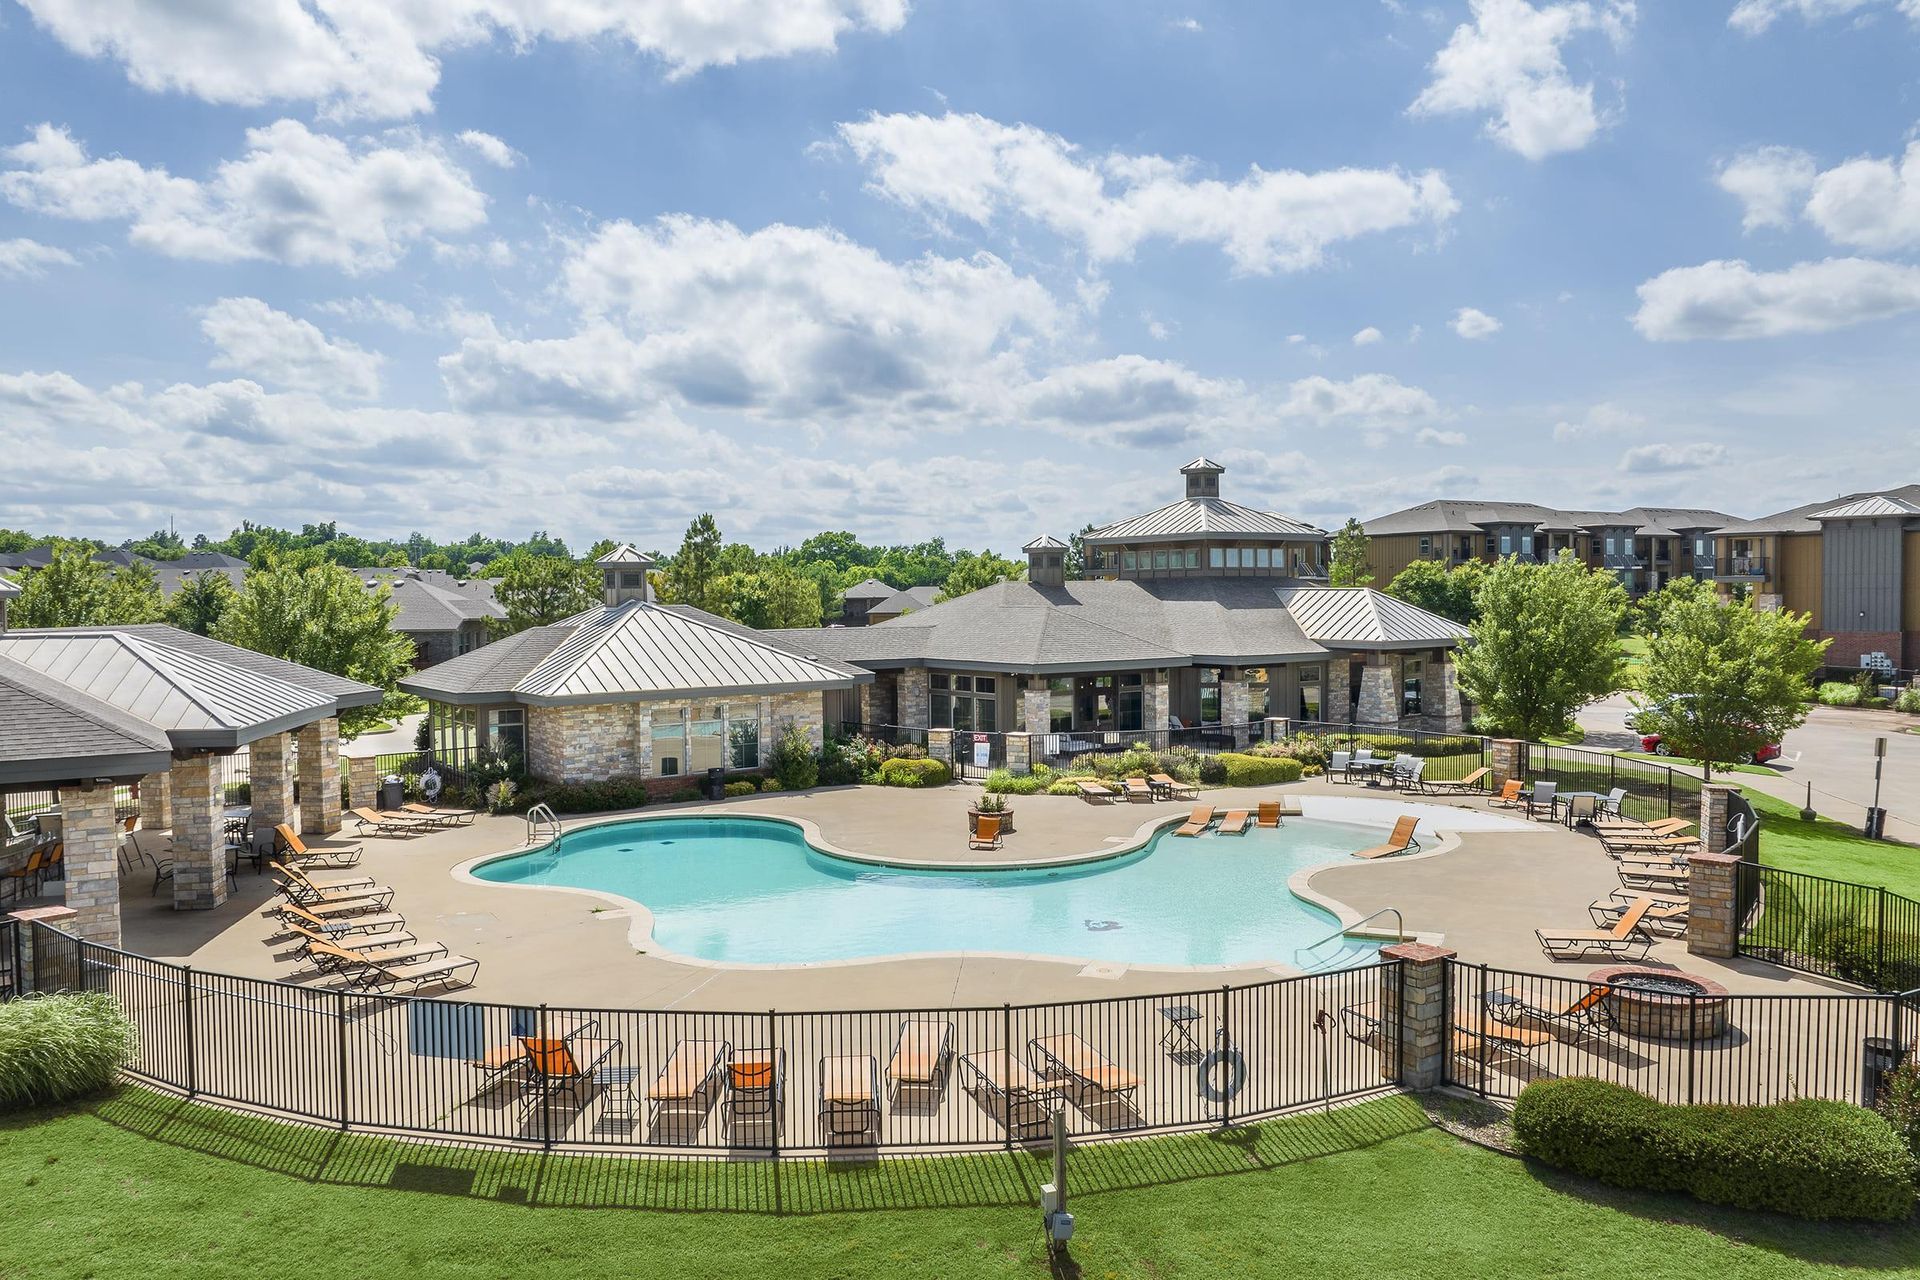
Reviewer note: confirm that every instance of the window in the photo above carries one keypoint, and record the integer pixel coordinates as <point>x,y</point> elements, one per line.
<point>1310,692</point>
<point>1127,560</point>
<point>940,682</point>
<point>1610,546</point>
<point>1426,545</point>
<point>1209,695</point>
<point>669,744</point>
<point>706,749</point>
<point>964,703</point>
<point>1701,547</point>
<point>1490,544</point>
<point>1216,558</point>
<point>1263,558</point>
<point>1233,557</point>
<point>507,731</point>
<point>1129,702</point>
<point>1059,706</point>
<point>610,578</point>
<point>1257,692</point>
<point>1506,544</point>
<point>743,743</point>
<point>1193,557</point>
<point>1410,678</point>
<point>1159,559</point>
<point>630,580</point>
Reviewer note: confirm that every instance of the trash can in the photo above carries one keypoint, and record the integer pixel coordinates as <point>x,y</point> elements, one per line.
<point>716,784</point>
<point>1880,1056</point>
<point>393,792</point>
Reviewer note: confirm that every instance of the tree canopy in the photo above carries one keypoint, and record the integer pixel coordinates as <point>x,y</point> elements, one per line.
<point>1544,645</point>
<point>1434,587</point>
<point>696,564</point>
<point>1348,566</point>
<point>75,590</point>
<point>972,572</point>
<point>537,590</point>
<point>200,601</point>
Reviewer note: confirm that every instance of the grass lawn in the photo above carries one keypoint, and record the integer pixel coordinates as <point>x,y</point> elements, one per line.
<point>1718,769</point>
<point>1824,847</point>
<point>139,1185</point>
<point>1634,650</point>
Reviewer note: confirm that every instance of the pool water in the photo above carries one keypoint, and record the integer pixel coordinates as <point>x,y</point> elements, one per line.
<point>754,891</point>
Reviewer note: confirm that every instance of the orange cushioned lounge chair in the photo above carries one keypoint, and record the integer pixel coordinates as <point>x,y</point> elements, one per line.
<point>1401,841</point>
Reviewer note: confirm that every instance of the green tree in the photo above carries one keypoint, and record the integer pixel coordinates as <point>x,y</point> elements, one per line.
<point>306,609</point>
<point>1650,610</point>
<point>200,601</point>
<point>696,564</point>
<point>1722,678</point>
<point>1076,558</point>
<point>74,589</point>
<point>776,596</point>
<point>161,544</point>
<point>1432,586</point>
<point>537,590</point>
<point>972,572</point>
<point>1544,644</point>
<point>1349,567</point>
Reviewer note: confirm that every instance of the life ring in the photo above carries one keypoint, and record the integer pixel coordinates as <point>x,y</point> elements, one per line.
<point>430,785</point>
<point>1236,1064</point>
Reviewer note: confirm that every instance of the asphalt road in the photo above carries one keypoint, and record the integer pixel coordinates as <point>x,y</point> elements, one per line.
<point>1832,751</point>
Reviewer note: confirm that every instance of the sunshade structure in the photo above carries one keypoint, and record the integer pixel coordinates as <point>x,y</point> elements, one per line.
<point>84,710</point>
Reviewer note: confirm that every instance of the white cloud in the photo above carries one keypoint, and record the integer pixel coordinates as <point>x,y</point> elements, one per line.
<point>1295,339</point>
<point>1729,299</point>
<point>1656,458</point>
<point>370,310</point>
<point>29,259</point>
<point>1370,399</point>
<point>1604,418</point>
<point>1187,24</point>
<point>296,197</point>
<point>1473,324</point>
<point>970,167</point>
<point>1445,439</point>
<point>1755,16</point>
<point>253,338</point>
<point>1507,63</point>
<point>1157,329</point>
<point>1769,182</point>
<point>1367,337</point>
<point>786,322</point>
<point>1144,402</point>
<point>490,149</point>
<point>374,58</point>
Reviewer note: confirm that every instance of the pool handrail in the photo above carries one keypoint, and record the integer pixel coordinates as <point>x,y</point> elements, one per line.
<point>541,817</point>
<point>1345,930</point>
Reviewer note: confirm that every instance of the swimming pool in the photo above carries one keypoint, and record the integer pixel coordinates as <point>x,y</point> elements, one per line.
<point>754,891</point>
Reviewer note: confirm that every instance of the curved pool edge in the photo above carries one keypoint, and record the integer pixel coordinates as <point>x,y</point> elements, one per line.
<point>640,916</point>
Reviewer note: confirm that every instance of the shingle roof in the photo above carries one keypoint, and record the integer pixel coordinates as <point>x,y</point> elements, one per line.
<point>428,600</point>
<point>1201,518</point>
<point>50,733</point>
<point>625,553</point>
<point>1346,617</point>
<point>1877,505</point>
<point>902,601</point>
<point>629,652</point>
<point>870,589</point>
<point>1802,519</point>
<point>1450,515</point>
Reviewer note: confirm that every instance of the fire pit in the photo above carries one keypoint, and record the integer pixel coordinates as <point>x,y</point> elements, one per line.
<point>1664,1004</point>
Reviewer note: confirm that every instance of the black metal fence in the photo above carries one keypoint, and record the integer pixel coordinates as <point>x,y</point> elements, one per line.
<point>9,958</point>
<point>1449,756</point>
<point>455,767</point>
<point>974,754</point>
<point>1506,1029</point>
<point>740,1082</point>
<point>1858,933</point>
<point>1653,790</point>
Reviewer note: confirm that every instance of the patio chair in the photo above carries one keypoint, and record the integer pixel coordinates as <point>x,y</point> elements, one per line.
<point>342,925</point>
<point>1457,786</point>
<point>756,1088</point>
<point>1340,768</point>
<point>1664,877</point>
<point>1174,788</point>
<point>1197,821</point>
<point>922,1055</point>
<point>1540,799</point>
<point>288,842</point>
<point>1268,814</point>
<point>1667,915</point>
<point>444,816</point>
<point>1481,1038</point>
<point>1024,1100</point>
<point>1586,1013</point>
<point>1401,841</point>
<point>385,970</point>
<point>1626,940</point>
<point>1095,792</point>
<point>986,832</point>
<point>1235,822</point>
<point>24,881</point>
<point>1138,791</point>
<point>505,1062</point>
<point>317,900</point>
<point>302,887</point>
<point>555,1068</point>
<point>848,1098</point>
<point>691,1070</point>
<point>1070,1058</point>
<point>1580,809</point>
<point>1508,796</point>
<point>1409,778</point>
<point>1609,806</point>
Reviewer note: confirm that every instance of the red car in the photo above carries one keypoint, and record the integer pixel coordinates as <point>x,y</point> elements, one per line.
<point>1761,754</point>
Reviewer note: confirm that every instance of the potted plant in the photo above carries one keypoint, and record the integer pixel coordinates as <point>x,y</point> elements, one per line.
<point>990,804</point>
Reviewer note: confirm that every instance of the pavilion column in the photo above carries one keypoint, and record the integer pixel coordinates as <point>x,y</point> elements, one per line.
<point>1447,713</point>
<point>271,780</point>
<point>1036,704</point>
<point>199,845</point>
<point>1157,701</point>
<point>1379,700</point>
<point>1338,707</point>
<point>91,836</point>
<point>156,801</point>
<point>913,698</point>
<point>320,777</point>
<point>1236,704</point>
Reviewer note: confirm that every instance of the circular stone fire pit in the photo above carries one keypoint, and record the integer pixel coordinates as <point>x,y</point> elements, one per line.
<point>1664,1004</point>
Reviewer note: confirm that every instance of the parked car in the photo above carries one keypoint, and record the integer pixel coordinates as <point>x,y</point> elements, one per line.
<point>1651,742</point>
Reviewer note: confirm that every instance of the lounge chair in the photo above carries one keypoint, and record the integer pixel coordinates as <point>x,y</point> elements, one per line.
<point>1664,877</point>
<point>986,832</point>
<point>374,971</point>
<point>1095,792</point>
<point>1620,846</point>
<point>1235,822</point>
<point>848,1098</point>
<point>1540,799</point>
<point>1139,791</point>
<point>1197,821</point>
<point>1481,1038</point>
<point>691,1070</point>
<point>1068,1057</point>
<point>999,1080</point>
<point>1457,786</point>
<point>1268,814</point>
<point>1402,840</point>
<point>1588,1012</point>
<point>1508,796</point>
<point>1626,940</point>
<point>756,1088</point>
<point>1174,788</point>
<point>922,1055</point>
<point>1668,914</point>
<point>557,1067</point>
<point>505,1062</point>
<point>289,843</point>
<point>373,897</point>
<point>446,817</point>
<point>385,823</point>
<point>391,943</point>
<point>1412,776</point>
<point>302,887</point>
<point>340,924</point>
<point>1361,1022</point>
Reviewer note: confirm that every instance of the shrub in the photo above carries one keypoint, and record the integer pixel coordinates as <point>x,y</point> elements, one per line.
<point>1062,787</point>
<point>1258,771</point>
<point>1003,782</point>
<point>1808,1158</point>
<point>65,1046</point>
<point>1876,702</point>
<point>794,761</point>
<point>1858,954</point>
<point>769,784</point>
<point>1909,699</point>
<point>845,761</point>
<point>584,797</point>
<point>1900,1104</point>
<point>685,794</point>
<point>915,773</point>
<point>743,788</point>
<point>500,797</point>
<point>1839,693</point>
<point>1211,771</point>
<point>992,804</point>
<point>907,751</point>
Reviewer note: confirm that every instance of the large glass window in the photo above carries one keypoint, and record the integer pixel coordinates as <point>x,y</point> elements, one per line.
<point>1411,672</point>
<point>1160,559</point>
<point>1263,558</point>
<point>1129,561</point>
<point>1506,544</point>
<point>669,744</point>
<point>1310,693</point>
<point>1209,695</point>
<point>706,749</point>
<point>743,742</point>
<point>507,731</point>
<point>1059,706</point>
<point>1257,692</point>
<point>1233,557</point>
<point>1216,557</point>
<point>1129,716</point>
<point>1193,557</point>
<point>968,703</point>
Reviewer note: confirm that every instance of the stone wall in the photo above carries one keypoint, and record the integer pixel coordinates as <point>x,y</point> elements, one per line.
<point>319,745</point>
<point>600,741</point>
<point>1713,928</point>
<point>1415,1000</point>
<point>199,845</point>
<point>363,781</point>
<point>1036,705</point>
<point>1337,703</point>
<point>1156,700</point>
<point>1236,703</point>
<point>156,802</point>
<point>270,778</point>
<point>90,834</point>
<point>915,698</point>
<point>1379,690</point>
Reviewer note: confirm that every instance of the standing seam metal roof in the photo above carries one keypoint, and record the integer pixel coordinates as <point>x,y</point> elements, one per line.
<point>1202,517</point>
<point>49,733</point>
<point>1365,617</point>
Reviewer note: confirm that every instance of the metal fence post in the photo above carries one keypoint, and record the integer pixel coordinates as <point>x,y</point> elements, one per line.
<point>1446,1033</point>
<point>546,1094</point>
<point>340,1023</point>
<point>1400,1023</point>
<point>1226,1042</point>
<point>186,988</point>
<point>1006,1038</point>
<point>1693,1044</point>
<point>779,1102</point>
<point>1880,939</point>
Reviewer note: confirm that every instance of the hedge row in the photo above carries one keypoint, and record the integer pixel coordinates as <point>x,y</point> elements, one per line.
<point>915,773</point>
<point>1259,771</point>
<point>1808,1158</point>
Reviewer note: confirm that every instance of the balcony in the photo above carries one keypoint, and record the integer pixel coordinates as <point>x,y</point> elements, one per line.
<point>1746,568</point>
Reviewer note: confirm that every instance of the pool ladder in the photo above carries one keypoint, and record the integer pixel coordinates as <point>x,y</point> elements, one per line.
<point>1346,930</point>
<point>541,818</point>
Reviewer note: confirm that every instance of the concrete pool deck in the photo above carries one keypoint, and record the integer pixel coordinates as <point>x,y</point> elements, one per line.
<point>1501,879</point>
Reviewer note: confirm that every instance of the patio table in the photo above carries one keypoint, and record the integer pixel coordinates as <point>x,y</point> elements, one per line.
<point>1565,799</point>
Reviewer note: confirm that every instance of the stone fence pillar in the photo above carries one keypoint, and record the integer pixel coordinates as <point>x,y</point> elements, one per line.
<point>156,801</point>
<point>1019,752</point>
<point>940,744</point>
<point>91,838</point>
<point>48,969</point>
<point>1508,761</point>
<point>1713,816</point>
<point>1413,1015</point>
<point>363,781</point>
<point>1713,898</point>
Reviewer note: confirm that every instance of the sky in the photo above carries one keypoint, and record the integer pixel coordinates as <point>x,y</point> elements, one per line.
<point>968,268</point>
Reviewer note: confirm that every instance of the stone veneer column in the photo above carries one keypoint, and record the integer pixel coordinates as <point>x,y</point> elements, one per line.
<point>363,781</point>
<point>1417,1028</point>
<point>91,837</point>
<point>1713,928</point>
<point>1337,705</point>
<point>156,802</point>
<point>1019,751</point>
<point>1036,705</point>
<point>940,744</point>
<point>643,736</point>
<point>270,780</point>
<point>1446,714</point>
<point>1157,700</point>
<point>320,777</point>
<point>55,967</point>
<point>914,698</point>
<point>199,844</point>
<point>1379,700</point>
<point>876,702</point>
<point>1507,759</point>
<point>1713,816</point>
<point>1236,703</point>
